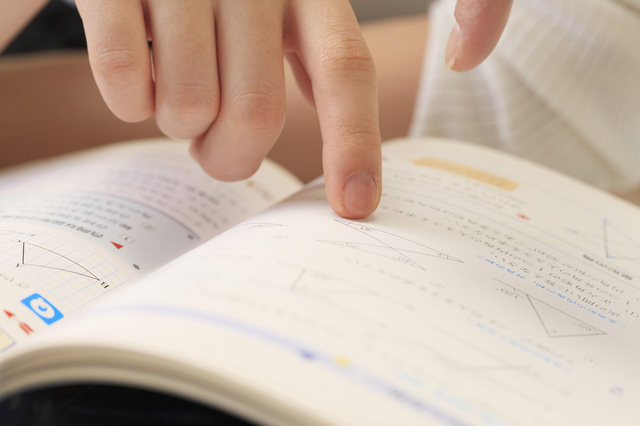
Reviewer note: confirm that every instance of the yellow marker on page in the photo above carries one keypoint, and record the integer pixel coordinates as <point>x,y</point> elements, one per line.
<point>468,172</point>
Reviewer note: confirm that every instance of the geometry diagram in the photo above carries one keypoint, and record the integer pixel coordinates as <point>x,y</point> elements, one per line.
<point>40,257</point>
<point>322,286</point>
<point>555,322</point>
<point>339,292</point>
<point>615,243</point>
<point>558,324</point>
<point>391,246</point>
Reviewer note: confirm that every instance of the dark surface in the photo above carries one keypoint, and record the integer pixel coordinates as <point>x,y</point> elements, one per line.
<point>58,26</point>
<point>102,405</point>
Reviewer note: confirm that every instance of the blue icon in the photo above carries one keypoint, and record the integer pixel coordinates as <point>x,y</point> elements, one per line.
<point>42,308</point>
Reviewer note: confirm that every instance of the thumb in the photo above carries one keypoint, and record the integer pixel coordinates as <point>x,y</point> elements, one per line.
<point>479,25</point>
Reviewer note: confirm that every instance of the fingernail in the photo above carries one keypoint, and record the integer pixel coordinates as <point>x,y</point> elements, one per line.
<point>360,193</point>
<point>452,47</point>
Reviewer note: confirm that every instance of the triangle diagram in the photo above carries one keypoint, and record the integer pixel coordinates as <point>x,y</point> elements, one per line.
<point>389,245</point>
<point>381,250</point>
<point>558,324</point>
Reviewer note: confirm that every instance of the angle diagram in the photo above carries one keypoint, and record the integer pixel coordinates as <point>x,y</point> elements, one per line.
<point>325,286</point>
<point>555,322</point>
<point>612,240</point>
<point>391,246</point>
<point>341,293</point>
<point>40,257</point>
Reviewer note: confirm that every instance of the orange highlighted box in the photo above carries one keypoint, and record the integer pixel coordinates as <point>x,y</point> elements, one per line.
<point>468,172</point>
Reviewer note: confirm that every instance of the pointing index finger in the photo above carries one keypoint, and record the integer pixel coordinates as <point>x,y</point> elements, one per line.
<point>327,38</point>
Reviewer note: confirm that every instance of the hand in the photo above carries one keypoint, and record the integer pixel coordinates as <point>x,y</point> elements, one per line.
<point>216,75</point>
<point>479,25</point>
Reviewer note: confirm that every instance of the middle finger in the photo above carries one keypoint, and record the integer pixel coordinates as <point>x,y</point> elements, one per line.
<point>251,68</point>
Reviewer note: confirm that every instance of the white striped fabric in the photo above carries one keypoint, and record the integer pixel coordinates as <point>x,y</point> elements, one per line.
<point>562,88</point>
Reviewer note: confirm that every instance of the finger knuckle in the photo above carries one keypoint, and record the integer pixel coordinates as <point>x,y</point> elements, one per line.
<point>192,104</point>
<point>259,113</point>
<point>121,67</point>
<point>233,173</point>
<point>229,170</point>
<point>344,52</point>
<point>358,134</point>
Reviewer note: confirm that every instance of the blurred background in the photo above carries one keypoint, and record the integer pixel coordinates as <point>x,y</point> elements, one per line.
<point>50,105</point>
<point>58,26</point>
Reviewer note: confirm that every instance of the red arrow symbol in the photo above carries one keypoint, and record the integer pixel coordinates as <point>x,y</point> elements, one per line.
<point>23,325</point>
<point>118,246</point>
<point>28,330</point>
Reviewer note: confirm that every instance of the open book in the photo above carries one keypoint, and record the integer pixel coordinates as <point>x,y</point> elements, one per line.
<point>484,290</point>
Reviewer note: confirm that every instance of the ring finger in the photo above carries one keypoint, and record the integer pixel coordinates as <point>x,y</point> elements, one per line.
<point>185,65</point>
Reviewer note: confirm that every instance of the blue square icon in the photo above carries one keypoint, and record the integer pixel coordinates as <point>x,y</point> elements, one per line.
<point>42,308</point>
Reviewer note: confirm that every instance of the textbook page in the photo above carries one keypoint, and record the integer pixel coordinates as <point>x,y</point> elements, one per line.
<point>74,229</point>
<point>484,290</point>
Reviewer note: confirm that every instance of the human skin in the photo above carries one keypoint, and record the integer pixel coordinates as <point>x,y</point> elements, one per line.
<point>216,76</point>
<point>57,91</point>
<point>50,103</point>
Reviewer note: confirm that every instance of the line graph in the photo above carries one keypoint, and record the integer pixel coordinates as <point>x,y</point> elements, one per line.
<point>389,245</point>
<point>40,257</point>
<point>68,274</point>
